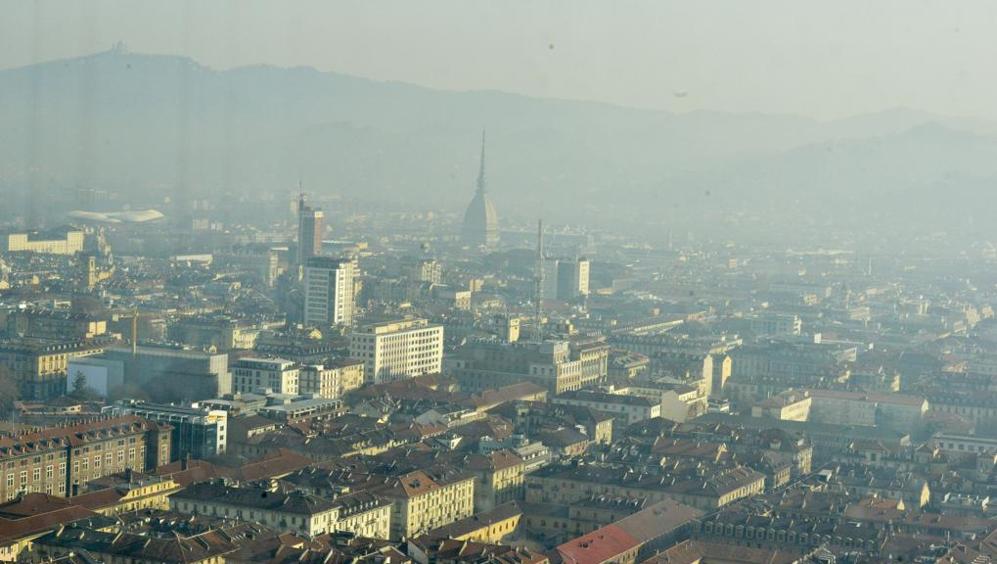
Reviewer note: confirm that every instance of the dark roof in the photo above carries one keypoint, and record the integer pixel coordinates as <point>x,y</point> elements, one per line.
<point>256,497</point>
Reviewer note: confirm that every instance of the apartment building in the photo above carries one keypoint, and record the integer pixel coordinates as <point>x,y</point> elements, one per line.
<point>60,460</point>
<point>332,380</point>
<point>625,408</point>
<point>361,513</point>
<point>791,405</point>
<point>421,502</point>
<point>559,366</point>
<point>253,375</point>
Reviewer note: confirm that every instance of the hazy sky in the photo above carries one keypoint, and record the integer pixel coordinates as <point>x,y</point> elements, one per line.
<point>825,58</point>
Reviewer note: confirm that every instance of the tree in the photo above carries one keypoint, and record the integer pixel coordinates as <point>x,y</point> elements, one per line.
<point>81,391</point>
<point>8,391</point>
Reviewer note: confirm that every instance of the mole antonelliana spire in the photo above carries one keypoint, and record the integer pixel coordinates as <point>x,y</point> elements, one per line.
<point>480,219</point>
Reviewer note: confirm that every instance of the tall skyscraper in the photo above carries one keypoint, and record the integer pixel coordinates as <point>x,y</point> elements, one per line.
<point>480,219</point>
<point>329,291</point>
<point>310,229</point>
<point>572,278</point>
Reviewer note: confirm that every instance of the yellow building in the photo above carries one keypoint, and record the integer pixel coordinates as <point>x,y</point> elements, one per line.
<point>490,527</point>
<point>500,479</point>
<point>56,325</point>
<point>421,503</point>
<point>39,367</point>
<point>333,380</point>
<point>360,513</point>
<point>64,241</point>
<point>791,405</point>
<point>25,519</point>
<point>566,485</point>
<point>121,493</point>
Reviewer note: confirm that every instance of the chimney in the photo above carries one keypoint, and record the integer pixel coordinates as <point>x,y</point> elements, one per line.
<point>185,462</point>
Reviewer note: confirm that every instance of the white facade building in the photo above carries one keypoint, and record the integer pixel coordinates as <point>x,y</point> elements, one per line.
<point>398,349</point>
<point>252,375</point>
<point>329,291</point>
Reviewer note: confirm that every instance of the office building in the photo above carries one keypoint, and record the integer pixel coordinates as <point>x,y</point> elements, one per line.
<point>572,278</point>
<point>170,374</point>
<point>393,350</point>
<point>195,432</point>
<point>329,291</point>
<point>311,223</point>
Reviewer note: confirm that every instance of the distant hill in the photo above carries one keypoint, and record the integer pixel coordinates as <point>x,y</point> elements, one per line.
<point>151,126</point>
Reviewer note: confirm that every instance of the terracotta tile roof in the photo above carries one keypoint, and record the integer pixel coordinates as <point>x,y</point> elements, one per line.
<point>601,545</point>
<point>36,514</point>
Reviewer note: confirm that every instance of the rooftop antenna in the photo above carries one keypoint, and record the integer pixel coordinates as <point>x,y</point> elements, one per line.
<point>134,332</point>
<point>538,334</point>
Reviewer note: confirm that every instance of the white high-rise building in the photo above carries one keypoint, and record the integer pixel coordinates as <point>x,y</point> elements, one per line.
<point>572,278</point>
<point>398,349</point>
<point>329,291</point>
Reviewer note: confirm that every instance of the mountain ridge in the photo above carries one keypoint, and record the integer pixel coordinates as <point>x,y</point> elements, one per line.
<point>151,126</point>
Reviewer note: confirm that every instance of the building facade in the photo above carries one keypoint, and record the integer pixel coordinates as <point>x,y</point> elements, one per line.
<point>252,375</point>
<point>66,241</point>
<point>361,513</point>
<point>311,225</point>
<point>196,433</point>
<point>421,503</point>
<point>329,291</point>
<point>331,381</point>
<point>394,350</point>
<point>40,367</point>
<point>60,460</point>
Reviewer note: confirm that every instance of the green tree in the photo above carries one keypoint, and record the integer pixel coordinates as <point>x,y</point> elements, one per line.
<point>8,391</point>
<point>81,391</point>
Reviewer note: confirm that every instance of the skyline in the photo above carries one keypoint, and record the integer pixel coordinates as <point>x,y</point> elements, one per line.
<point>653,55</point>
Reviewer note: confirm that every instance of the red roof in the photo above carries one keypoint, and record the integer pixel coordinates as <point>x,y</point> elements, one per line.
<point>601,545</point>
<point>36,514</point>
